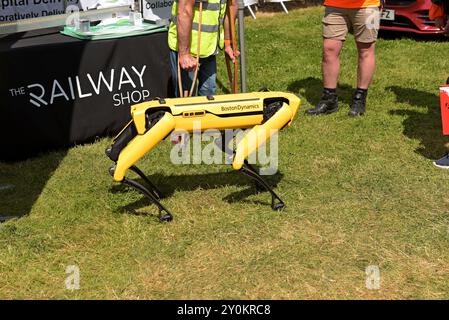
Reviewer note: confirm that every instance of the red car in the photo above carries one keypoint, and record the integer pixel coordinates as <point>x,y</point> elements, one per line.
<point>409,16</point>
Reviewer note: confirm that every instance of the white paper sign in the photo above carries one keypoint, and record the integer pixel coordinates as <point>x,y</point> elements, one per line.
<point>13,10</point>
<point>89,4</point>
<point>155,10</point>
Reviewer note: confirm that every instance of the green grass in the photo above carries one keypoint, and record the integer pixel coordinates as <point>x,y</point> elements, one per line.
<point>359,192</point>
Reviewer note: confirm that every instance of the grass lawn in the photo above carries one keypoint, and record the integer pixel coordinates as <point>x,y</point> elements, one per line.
<point>359,192</point>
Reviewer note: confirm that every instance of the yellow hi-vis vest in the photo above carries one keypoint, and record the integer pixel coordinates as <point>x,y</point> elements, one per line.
<point>212,31</point>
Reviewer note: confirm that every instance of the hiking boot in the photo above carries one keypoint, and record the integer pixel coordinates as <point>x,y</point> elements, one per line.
<point>358,104</point>
<point>328,104</point>
<point>442,163</point>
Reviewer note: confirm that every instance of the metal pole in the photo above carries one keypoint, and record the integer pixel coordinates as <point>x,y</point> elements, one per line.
<point>241,16</point>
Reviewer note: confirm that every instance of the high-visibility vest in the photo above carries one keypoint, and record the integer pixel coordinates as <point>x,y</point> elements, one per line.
<point>212,30</point>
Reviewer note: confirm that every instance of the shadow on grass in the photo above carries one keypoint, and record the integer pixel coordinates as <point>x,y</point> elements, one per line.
<point>311,89</point>
<point>424,125</point>
<point>21,183</point>
<point>395,35</point>
<point>168,185</point>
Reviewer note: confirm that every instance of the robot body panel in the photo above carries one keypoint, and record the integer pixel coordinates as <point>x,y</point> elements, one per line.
<point>142,144</point>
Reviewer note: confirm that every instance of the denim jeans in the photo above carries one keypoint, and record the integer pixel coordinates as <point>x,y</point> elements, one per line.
<point>207,76</point>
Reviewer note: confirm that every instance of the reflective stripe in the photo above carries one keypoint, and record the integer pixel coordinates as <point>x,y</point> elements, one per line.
<point>209,6</point>
<point>204,27</point>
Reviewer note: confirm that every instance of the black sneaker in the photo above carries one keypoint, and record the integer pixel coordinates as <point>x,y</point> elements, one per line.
<point>358,104</point>
<point>442,163</point>
<point>328,104</point>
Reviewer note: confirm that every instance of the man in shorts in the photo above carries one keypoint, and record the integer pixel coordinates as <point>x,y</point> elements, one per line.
<point>361,17</point>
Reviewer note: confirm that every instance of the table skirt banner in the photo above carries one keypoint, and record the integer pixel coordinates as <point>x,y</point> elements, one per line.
<point>57,91</point>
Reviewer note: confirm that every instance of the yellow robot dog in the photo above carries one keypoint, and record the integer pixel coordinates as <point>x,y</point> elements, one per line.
<point>153,121</point>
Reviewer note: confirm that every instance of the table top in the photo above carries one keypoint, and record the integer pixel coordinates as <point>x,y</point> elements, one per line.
<point>34,38</point>
<point>41,37</point>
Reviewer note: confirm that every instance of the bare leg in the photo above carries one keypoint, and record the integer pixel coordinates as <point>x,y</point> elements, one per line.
<point>365,71</point>
<point>331,69</point>
<point>367,64</point>
<point>331,62</point>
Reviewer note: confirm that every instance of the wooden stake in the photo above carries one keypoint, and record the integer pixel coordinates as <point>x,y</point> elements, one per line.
<point>234,82</point>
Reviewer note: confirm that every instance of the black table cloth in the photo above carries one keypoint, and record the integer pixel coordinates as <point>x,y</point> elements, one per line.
<point>56,91</point>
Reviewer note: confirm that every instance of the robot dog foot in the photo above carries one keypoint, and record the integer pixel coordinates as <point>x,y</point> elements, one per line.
<point>154,195</point>
<point>164,214</point>
<point>248,170</point>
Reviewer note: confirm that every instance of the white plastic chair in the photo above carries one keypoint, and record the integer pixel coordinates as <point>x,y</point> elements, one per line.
<point>281,2</point>
<point>248,4</point>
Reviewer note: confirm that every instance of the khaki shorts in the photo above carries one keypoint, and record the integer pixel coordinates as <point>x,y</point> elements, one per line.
<point>363,23</point>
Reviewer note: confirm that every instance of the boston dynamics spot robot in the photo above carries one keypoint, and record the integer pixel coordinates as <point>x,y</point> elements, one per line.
<point>153,121</point>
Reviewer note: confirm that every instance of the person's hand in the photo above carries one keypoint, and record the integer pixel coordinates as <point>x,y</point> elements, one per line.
<point>440,23</point>
<point>231,53</point>
<point>187,62</point>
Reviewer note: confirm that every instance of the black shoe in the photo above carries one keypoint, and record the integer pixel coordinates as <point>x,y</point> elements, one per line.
<point>328,104</point>
<point>358,104</point>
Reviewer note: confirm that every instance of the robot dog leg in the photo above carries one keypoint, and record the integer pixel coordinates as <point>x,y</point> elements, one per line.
<point>135,146</point>
<point>276,116</point>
